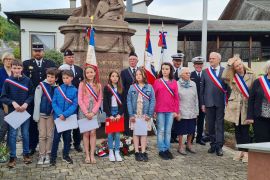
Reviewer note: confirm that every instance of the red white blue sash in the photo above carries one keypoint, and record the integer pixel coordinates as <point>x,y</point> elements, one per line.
<point>265,83</point>
<point>115,94</point>
<point>167,87</point>
<point>211,73</point>
<point>45,91</point>
<point>140,91</point>
<point>16,84</point>
<point>63,94</point>
<point>91,91</point>
<point>241,84</point>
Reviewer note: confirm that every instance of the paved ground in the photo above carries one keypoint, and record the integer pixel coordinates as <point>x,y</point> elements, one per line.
<point>199,166</point>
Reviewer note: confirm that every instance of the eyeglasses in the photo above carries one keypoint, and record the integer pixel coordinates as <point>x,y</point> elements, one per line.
<point>8,59</point>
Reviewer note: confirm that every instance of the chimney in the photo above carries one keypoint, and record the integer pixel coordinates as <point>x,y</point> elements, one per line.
<point>72,3</point>
<point>129,5</point>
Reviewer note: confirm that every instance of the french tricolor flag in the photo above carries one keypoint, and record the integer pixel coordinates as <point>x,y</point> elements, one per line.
<point>148,59</point>
<point>91,59</point>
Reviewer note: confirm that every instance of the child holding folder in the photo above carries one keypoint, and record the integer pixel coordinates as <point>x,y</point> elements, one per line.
<point>112,106</point>
<point>64,103</point>
<point>90,98</point>
<point>141,103</point>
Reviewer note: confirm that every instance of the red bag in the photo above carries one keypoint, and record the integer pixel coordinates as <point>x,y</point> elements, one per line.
<point>114,126</point>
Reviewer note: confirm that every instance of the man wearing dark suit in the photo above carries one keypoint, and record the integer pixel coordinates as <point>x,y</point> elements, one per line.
<point>177,60</point>
<point>78,77</point>
<point>128,77</point>
<point>213,104</point>
<point>35,69</point>
<point>196,77</point>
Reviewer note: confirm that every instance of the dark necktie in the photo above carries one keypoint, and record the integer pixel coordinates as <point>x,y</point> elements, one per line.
<point>176,74</point>
<point>39,64</point>
<point>199,74</point>
<point>134,72</point>
<point>215,70</point>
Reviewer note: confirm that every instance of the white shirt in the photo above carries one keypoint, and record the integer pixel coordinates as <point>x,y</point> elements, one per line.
<point>38,61</point>
<point>114,101</point>
<point>176,69</point>
<point>131,68</point>
<point>67,67</point>
<point>198,73</point>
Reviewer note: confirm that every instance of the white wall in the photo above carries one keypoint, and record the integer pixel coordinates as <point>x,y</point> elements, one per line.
<point>39,26</point>
<point>138,40</point>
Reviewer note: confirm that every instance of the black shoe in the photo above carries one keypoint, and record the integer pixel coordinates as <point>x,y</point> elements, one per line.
<point>78,149</point>
<point>211,150</point>
<point>206,138</point>
<point>68,160</point>
<point>169,154</point>
<point>163,155</point>
<point>219,152</point>
<point>138,156</point>
<point>52,162</point>
<point>201,142</point>
<point>32,152</point>
<point>145,156</point>
<point>174,140</point>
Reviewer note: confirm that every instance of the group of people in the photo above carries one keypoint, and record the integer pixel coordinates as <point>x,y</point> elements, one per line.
<point>180,100</point>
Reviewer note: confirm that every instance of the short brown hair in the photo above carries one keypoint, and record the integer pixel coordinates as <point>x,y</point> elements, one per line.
<point>52,71</point>
<point>67,73</point>
<point>16,62</point>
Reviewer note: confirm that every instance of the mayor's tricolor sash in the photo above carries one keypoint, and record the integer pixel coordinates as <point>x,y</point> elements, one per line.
<point>140,91</point>
<point>115,94</point>
<point>91,91</point>
<point>167,86</point>
<point>211,73</point>
<point>63,94</point>
<point>265,83</point>
<point>241,84</point>
<point>45,91</point>
<point>16,84</point>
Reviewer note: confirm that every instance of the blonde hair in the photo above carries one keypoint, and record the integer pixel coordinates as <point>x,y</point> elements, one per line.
<point>95,82</point>
<point>229,76</point>
<point>7,55</point>
<point>267,67</point>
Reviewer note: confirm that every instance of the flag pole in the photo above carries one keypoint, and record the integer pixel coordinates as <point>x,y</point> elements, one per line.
<point>204,30</point>
<point>146,41</point>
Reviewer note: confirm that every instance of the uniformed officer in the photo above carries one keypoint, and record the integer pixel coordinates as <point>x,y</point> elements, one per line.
<point>177,60</point>
<point>196,77</point>
<point>35,69</point>
<point>78,77</point>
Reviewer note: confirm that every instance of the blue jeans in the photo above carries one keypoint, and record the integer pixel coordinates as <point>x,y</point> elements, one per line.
<point>56,139</point>
<point>164,123</point>
<point>114,136</point>
<point>13,137</point>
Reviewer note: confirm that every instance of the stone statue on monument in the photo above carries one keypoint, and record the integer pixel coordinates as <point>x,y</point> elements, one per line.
<point>110,10</point>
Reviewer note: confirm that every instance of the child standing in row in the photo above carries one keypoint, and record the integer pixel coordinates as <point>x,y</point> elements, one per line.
<point>43,114</point>
<point>113,107</point>
<point>18,93</point>
<point>90,98</point>
<point>141,104</point>
<point>64,103</point>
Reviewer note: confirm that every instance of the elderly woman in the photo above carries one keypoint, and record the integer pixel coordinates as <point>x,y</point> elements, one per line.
<point>189,110</point>
<point>239,79</point>
<point>5,72</point>
<point>259,106</point>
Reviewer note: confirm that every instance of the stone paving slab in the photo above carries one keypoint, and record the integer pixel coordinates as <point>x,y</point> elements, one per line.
<point>200,166</point>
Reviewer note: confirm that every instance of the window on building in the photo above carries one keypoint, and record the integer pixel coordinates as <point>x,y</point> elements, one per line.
<point>48,40</point>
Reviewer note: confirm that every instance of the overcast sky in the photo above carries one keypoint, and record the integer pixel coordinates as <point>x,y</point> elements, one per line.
<point>183,9</point>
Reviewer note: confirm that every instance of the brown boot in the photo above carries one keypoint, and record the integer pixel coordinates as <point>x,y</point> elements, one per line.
<point>12,162</point>
<point>27,159</point>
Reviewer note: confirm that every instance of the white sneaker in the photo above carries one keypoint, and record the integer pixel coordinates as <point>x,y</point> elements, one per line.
<point>47,159</point>
<point>111,156</point>
<point>118,156</point>
<point>41,160</point>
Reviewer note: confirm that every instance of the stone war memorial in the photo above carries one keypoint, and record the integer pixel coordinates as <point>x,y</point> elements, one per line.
<point>112,37</point>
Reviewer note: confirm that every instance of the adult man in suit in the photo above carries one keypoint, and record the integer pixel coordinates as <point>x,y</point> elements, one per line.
<point>213,102</point>
<point>35,69</point>
<point>78,77</point>
<point>177,60</point>
<point>128,77</point>
<point>196,77</point>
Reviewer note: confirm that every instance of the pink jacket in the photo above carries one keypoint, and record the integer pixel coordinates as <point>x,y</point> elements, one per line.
<point>165,102</point>
<point>83,99</point>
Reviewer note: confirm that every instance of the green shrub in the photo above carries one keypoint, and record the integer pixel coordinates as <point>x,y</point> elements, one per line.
<point>55,56</point>
<point>4,153</point>
<point>228,127</point>
<point>17,52</point>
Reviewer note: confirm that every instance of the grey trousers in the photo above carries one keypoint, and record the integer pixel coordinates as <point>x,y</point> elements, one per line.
<point>215,118</point>
<point>3,126</point>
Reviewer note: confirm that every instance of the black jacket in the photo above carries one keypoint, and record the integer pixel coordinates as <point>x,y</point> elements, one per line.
<point>35,73</point>
<point>255,100</point>
<point>127,80</point>
<point>107,102</point>
<point>78,77</point>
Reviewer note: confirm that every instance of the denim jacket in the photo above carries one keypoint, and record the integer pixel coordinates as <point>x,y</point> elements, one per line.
<point>148,105</point>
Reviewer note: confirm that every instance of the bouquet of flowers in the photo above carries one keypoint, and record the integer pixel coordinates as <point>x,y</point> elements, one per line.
<point>126,147</point>
<point>3,153</point>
